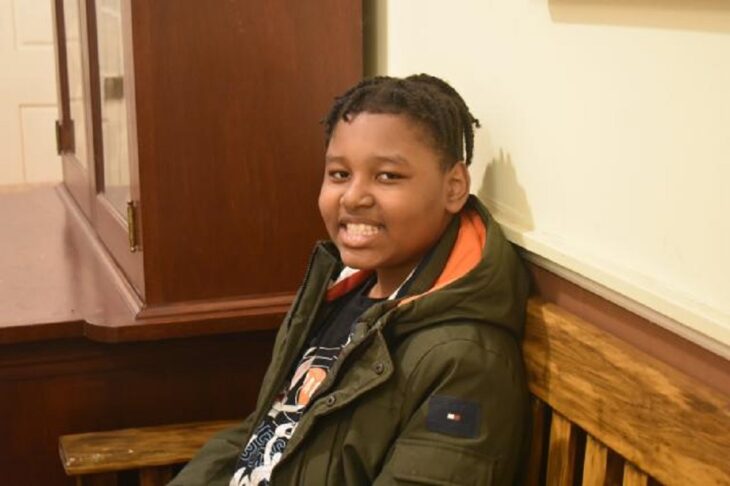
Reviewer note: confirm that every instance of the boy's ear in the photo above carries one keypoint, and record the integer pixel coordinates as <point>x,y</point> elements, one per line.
<point>457,187</point>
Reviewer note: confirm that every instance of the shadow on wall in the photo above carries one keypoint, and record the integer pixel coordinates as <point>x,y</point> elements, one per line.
<point>505,197</point>
<point>701,15</point>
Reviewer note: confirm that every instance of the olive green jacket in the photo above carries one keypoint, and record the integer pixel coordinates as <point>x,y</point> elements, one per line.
<point>378,417</point>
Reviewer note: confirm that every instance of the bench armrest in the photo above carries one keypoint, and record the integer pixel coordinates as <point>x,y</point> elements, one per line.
<point>138,448</point>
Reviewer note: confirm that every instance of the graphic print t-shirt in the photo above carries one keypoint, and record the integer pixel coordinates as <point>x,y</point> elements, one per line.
<point>266,446</point>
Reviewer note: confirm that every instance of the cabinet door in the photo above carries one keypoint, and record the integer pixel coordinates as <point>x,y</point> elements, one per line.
<point>116,197</point>
<point>94,126</point>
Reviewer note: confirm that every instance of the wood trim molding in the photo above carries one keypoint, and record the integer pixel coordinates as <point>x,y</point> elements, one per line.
<point>211,308</point>
<point>648,336</point>
<point>633,306</point>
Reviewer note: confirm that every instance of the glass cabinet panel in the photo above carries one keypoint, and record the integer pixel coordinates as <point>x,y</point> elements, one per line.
<point>74,65</point>
<point>116,170</point>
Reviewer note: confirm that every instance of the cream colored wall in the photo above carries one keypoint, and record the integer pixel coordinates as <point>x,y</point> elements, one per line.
<point>605,145</point>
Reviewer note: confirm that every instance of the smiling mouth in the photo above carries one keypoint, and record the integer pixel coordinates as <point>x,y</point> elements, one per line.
<point>358,234</point>
<point>361,229</point>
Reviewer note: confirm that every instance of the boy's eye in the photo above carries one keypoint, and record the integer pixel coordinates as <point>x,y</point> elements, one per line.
<point>338,175</point>
<point>389,176</point>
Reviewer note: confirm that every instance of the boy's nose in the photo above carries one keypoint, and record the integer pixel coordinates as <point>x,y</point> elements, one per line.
<point>356,196</point>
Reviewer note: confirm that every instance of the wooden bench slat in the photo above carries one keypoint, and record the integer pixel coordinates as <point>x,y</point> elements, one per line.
<point>120,450</point>
<point>535,461</point>
<point>561,453</point>
<point>675,428</point>
<point>634,477</point>
<point>594,465</point>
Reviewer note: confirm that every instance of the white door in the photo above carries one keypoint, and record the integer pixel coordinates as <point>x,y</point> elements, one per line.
<point>27,94</point>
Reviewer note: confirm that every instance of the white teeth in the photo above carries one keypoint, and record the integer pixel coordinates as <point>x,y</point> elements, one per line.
<point>362,229</point>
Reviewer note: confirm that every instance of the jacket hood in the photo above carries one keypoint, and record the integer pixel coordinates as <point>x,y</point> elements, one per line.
<point>473,273</point>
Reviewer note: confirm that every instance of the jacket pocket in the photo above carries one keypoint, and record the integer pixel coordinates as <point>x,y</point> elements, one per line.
<point>432,463</point>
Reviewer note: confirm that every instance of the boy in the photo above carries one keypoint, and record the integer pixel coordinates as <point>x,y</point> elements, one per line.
<point>399,361</point>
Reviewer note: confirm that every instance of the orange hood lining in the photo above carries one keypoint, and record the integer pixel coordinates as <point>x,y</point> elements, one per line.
<point>465,255</point>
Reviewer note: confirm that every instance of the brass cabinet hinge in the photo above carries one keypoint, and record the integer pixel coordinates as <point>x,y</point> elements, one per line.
<point>132,226</point>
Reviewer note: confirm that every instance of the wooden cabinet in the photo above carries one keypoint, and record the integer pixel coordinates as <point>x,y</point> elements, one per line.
<point>191,142</point>
<point>200,118</point>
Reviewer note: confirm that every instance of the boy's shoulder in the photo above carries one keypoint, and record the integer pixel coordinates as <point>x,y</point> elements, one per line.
<point>452,339</point>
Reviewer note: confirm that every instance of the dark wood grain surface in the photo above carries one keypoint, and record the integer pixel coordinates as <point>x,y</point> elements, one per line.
<point>228,104</point>
<point>53,388</point>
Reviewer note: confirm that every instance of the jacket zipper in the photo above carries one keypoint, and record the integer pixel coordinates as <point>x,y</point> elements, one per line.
<point>290,362</point>
<point>325,387</point>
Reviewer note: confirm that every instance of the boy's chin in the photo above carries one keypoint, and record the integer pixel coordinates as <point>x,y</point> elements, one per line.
<point>358,263</point>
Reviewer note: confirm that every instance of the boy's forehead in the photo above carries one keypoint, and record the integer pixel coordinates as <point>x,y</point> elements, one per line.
<point>382,157</point>
<point>384,128</point>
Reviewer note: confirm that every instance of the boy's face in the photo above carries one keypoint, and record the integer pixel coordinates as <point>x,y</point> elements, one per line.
<point>385,199</point>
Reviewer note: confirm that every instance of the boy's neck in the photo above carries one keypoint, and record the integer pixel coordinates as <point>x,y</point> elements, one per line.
<point>387,284</point>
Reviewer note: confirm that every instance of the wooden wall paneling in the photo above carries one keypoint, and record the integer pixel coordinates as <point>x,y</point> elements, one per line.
<point>561,453</point>
<point>239,188</point>
<point>596,460</point>
<point>646,406</point>
<point>56,388</point>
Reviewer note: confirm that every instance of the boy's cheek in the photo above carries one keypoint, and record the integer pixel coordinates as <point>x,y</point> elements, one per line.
<point>323,208</point>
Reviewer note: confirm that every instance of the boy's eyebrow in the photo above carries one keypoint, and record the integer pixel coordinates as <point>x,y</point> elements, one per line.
<point>334,158</point>
<point>395,158</point>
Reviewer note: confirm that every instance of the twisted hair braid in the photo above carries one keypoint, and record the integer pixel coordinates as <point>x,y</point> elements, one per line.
<point>428,100</point>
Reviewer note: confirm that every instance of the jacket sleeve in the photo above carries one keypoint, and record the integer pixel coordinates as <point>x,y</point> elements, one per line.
<point>213,464</point>
<point>464,415</point>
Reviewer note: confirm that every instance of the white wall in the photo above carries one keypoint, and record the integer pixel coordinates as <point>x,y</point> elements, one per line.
<point>604,148</point>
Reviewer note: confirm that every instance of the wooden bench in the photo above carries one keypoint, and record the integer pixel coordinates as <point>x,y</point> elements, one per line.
<point>603,413</point>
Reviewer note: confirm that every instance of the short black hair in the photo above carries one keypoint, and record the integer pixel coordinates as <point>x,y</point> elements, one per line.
<point>428,100</point>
